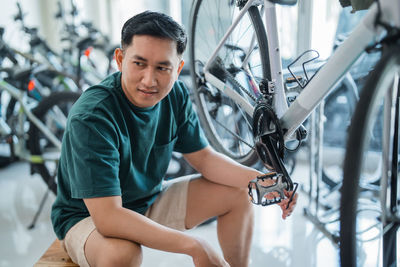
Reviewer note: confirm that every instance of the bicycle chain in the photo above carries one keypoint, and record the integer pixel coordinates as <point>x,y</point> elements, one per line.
<point>232,80</point>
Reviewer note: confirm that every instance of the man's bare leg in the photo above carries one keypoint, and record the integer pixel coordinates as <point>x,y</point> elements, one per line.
<point>104,251</point>
<point>235,217</point>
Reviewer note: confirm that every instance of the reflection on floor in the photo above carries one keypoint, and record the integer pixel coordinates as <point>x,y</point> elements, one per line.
<point>293,242</point>
<point>20,195</point>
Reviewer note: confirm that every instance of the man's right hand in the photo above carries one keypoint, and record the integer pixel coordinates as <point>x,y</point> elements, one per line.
<point>205,256</point>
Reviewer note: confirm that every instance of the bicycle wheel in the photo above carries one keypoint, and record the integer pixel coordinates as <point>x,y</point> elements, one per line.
<point>369,213</point>
<point>245,54</point>
<point>52,111</point>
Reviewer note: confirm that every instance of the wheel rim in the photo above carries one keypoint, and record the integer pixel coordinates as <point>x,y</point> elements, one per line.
<point>227,124</point>
<point>370,217</point>
<point>53,112</point>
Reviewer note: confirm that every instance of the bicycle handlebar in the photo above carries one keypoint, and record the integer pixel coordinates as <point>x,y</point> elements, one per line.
<point>20,15</point>
<point>60,12</point>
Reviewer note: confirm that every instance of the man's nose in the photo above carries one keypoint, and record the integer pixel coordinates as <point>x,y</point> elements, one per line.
<point>149,77</point>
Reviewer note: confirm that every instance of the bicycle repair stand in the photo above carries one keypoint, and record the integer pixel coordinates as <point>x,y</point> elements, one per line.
<point>41,205</point>
<point>39,210</point>
<point>323,213</point>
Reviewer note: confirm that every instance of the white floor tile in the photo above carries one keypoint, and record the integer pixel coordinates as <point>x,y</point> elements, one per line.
<point>20,195</point>
<point>276,242</point>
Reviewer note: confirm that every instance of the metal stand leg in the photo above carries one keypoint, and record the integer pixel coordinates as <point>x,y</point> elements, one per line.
<point>39,210</point>
<point>42,202</point>
<point>316,208</point>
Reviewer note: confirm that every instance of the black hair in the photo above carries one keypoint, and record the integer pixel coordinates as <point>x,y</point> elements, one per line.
<point>154,24</point>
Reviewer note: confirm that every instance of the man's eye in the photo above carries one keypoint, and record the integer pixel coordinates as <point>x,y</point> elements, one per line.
<point>137,63</point>
<point>163,68</point>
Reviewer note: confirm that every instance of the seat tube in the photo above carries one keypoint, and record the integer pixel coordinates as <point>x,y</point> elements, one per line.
<point>271,26</point>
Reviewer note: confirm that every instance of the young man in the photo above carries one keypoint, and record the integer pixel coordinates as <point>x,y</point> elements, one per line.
<point>116,149</point>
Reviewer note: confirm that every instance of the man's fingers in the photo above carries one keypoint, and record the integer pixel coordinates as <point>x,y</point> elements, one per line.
<point>266,182</point>
<point>287,210</point>
<point>289,193</point>
<point>272,195</point>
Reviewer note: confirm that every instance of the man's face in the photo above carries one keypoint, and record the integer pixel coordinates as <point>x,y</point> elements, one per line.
<point>149,67</point>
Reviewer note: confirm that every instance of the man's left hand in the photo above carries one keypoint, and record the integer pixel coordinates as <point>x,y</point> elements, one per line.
<point>283,204</point>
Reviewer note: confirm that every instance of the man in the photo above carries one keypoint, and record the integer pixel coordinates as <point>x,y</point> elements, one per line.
<point>116,149</point>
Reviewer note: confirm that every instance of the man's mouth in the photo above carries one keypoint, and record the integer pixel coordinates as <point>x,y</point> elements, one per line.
<point>148,92</point>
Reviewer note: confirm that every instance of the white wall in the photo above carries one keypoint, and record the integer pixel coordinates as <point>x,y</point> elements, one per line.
<point>106,15</point>
<point>12,28</point>
<point>325,19</point>
<point>109,16</point>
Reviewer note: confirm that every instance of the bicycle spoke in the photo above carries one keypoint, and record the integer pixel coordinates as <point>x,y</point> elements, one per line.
<point>234,134</point>
<point>227,127</point>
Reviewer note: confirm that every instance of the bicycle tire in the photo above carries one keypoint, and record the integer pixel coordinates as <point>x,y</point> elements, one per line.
<point>206,29</point>
<point>360,197</point>
<point>39,145</point>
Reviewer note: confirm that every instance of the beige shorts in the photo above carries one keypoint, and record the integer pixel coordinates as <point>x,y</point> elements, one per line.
<point>169,209</point>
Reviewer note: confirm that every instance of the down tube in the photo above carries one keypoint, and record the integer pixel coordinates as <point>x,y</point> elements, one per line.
<point>330,73</point>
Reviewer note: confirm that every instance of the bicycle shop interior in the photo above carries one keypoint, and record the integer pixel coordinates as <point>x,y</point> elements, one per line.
<point>308,238</point>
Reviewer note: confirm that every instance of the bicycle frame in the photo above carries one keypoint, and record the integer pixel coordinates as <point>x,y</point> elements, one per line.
<point>17,94</point>
<point>323,81</point>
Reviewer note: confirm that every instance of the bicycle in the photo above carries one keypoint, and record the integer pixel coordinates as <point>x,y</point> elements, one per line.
<point>242,105</point>
<point>34,126</point>
<point>82,44</point>
<point>91,50</point>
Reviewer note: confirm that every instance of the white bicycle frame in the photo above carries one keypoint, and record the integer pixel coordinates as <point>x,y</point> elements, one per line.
<point>323,81</point>
<point>5,130</point>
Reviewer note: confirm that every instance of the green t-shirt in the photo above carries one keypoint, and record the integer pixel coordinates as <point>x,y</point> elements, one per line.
<point>113,148</point>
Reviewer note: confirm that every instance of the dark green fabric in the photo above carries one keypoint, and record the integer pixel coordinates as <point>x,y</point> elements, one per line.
<point>356,4</point>
<point>361,4</point>
<point>112,148</point>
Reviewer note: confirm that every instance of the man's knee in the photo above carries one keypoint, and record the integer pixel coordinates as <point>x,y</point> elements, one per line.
<point>121,253</point>
<point>241,198</point>
<point>237,200</point>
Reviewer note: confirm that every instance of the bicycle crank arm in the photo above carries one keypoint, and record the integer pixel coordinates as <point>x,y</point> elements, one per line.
<point>269,144</point>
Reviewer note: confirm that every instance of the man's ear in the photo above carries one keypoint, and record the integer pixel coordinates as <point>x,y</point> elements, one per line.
<point>119,55</point>
<point>181,66</point>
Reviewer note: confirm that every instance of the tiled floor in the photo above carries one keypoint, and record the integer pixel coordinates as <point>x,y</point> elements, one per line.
<point>294,242</point>
<point>20,195</point>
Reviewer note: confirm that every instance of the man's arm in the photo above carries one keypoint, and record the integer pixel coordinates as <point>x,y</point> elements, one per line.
<point>114,221</point>
<point>221,169</point>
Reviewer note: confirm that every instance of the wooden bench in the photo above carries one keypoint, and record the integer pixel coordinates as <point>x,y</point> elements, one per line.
<point>55,256</point>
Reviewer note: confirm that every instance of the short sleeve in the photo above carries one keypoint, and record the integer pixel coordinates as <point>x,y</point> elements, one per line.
<point>191,137</point>
<point>93,157</point>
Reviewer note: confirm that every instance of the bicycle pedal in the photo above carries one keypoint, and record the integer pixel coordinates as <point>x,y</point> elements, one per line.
<point>267,189</point>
